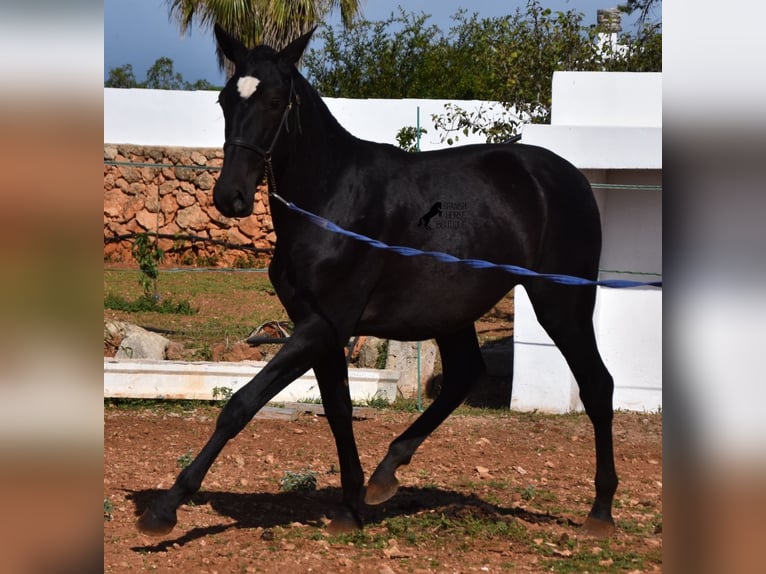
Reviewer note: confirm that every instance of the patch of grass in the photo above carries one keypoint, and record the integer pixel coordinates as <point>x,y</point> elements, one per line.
<point>440,528</point>
<point>310,400</point>
<point>378,401</point>
<point>360,539</point>
<point>144,304</point>
<point>303,480</point>
<point>182,406</point>
<point>230,304</point>
<point>608,560</point>
<point>405,405</point>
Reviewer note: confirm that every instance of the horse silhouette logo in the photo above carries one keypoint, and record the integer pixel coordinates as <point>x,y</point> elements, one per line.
<point>436,209</point>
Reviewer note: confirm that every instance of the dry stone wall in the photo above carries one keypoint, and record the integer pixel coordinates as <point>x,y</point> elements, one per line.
<point>169,191</point>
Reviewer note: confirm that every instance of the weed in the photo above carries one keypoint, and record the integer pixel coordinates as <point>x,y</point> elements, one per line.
<point>185,459</point>
<point>528,493</point>
<point>244,262</point>
<point>298,481</point>
<point>206,259</point>
<point>378,401</point>
<point>108,509</point>
<point>148,255</point>
<point>380,363</point>
<point>222,395</point>
<point>204,354</point>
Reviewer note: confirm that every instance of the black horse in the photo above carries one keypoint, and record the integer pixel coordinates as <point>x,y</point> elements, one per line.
<point>521,205</point>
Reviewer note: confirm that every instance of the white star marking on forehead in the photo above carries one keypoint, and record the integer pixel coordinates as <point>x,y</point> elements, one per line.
<point>247,85</point>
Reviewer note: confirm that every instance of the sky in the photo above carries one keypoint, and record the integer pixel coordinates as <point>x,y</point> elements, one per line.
<point>140,31</point>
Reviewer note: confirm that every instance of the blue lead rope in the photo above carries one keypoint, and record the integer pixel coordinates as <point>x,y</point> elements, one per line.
<point>447,258</point>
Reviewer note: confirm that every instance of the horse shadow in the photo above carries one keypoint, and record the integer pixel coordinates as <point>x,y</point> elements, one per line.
<point>252,511</point>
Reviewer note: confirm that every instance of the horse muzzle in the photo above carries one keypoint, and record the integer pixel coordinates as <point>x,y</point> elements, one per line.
<point>233,201</point>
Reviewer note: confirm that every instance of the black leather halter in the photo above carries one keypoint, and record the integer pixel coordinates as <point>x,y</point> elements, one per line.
<point>266,153</point>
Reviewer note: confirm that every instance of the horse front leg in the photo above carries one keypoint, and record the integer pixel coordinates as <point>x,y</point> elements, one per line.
<point>294,359</point>
<point>332,375</point>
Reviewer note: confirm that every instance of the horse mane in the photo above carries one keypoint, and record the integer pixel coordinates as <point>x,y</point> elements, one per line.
<point>312,107</point>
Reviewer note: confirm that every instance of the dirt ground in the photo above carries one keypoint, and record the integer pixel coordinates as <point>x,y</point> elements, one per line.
<point>490,491</point>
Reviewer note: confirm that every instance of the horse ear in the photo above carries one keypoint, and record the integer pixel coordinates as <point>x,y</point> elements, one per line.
<point>232,48</point>
<point>293,51</point>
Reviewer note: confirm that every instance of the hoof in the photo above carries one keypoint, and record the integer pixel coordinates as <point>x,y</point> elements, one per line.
<point>380,490</point>
<point>597,528</point>
<point>343,524</point>
<point>153,525</point>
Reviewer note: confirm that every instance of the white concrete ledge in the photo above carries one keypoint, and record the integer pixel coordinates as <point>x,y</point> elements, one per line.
<point>146,379</point>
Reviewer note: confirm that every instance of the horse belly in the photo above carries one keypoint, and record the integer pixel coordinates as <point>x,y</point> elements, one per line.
<point>431,301</point>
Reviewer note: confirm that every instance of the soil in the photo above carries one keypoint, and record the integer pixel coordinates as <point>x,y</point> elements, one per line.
<point>489,491</point>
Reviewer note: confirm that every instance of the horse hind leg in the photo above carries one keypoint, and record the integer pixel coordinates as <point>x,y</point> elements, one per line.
<point>566,313</point>
<point>463,366</point>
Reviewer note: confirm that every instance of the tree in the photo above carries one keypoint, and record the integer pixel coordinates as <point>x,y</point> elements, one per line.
<point>121,77</point>
<point>160,76</point>
<point>644,7</point>
<point>509,59</point>
<point>272,22</point>
<point>385,59</point>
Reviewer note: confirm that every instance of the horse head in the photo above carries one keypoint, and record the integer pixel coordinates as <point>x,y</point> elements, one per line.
<point>257,102</point>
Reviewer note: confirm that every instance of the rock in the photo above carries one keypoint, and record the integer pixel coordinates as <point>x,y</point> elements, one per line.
<point>148,220</point>
<point>192,217</point>
<point>403,357</point>
<point>372,353</point>
<point>169,186</point>
<point>114,200</point>
<point>250,227</point>
<point>234,237</point>
<point>174,351</point>
<point>152,201</point>
<point>184,199</point>
<point>168,204</point>
<point>131,174</point>
<point>204,181</point>
<point>135,342</point>
<point>198,158</point>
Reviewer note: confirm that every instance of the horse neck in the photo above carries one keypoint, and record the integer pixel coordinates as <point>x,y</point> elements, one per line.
<point>317,139</point>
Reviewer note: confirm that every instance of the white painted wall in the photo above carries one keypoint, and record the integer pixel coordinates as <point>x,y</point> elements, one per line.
<point>629,99</point>
<point>610,126</point>
<point>194,119</point>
